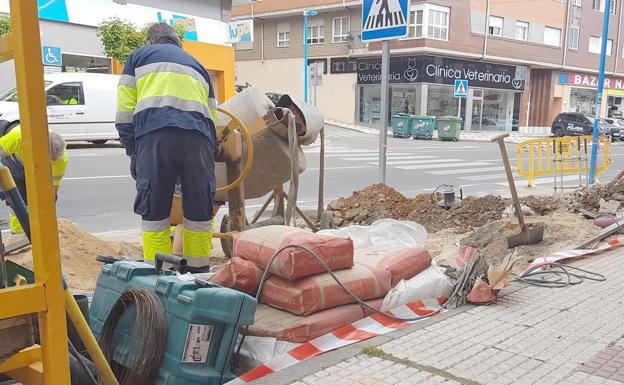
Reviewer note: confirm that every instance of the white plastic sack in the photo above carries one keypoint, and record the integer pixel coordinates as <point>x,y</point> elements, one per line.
<point>387,234</point>
<point>431,283</point>
<point>258,350</point>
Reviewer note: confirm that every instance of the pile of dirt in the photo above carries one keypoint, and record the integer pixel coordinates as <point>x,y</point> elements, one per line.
<point>78,251</point>
<point>366,206</point>
<point>543,205</point>
<point>561,231</point>
<point>588,198</point>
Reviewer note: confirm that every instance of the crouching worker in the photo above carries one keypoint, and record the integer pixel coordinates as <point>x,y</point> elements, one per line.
<point>11,154</point>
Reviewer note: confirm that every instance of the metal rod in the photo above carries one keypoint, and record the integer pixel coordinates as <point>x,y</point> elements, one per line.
<point>306,219</point>
<point>305,56</point>
<point>321,203</point>
<point>263,208</point>
<point>601,76</point>
<point>383,127</point>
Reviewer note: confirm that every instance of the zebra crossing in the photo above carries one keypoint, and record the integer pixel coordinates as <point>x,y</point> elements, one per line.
<point>434,163</point>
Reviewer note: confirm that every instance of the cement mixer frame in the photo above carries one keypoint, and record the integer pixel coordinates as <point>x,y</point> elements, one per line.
<point>258,151</point>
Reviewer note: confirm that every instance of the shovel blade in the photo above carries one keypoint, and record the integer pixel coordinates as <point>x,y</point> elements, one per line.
<point>526,237</point>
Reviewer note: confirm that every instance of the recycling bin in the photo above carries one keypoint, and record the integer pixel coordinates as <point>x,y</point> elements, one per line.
<point>402,125</point>
<point>423,126</point>
<point>448,128</point>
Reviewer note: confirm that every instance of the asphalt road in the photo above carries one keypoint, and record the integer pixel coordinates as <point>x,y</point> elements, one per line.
<point>98,192</point>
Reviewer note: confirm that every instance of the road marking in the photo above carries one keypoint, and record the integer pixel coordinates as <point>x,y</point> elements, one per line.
<point>547,180</point>
<point>338,168</point>
<point>483,177</point>
<point>419,161</point>
<point>98,177</point>
<point>465,171</point>
<point>449,165</point>
<point>390,157</point>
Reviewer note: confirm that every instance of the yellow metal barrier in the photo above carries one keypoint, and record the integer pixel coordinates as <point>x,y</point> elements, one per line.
<point>564,155</point>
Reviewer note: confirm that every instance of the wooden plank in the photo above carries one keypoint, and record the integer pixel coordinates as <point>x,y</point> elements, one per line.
<point>21,359</point>
<point>15,334</point>
<point>25,299</point>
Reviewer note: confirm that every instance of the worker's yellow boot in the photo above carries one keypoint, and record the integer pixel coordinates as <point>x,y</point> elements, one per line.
<point>15,225</point>
<point>156,242</point>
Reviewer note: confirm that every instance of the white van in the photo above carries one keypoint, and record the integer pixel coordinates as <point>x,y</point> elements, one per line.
<point>81,106</point>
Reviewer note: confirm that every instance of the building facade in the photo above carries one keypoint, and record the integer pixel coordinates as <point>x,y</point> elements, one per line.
<point>524,61</point>
<point>69,27</point>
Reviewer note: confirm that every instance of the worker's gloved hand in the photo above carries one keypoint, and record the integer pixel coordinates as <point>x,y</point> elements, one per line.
<point>133,166</point>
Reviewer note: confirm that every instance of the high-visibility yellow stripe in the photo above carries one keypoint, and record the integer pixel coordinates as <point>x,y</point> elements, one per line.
<point>16,226</point>
<point>196,244</point>
<point>126,98</point>
<point>171,84</point>
<point>156,242</point>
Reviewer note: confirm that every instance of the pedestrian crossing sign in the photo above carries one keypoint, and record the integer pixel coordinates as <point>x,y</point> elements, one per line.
<point>461,88</point>
<point>384,19</point>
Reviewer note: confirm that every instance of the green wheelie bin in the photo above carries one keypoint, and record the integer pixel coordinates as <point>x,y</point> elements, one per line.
<point>448,128</point>
<point>423,126</point>
<point>402,125</point>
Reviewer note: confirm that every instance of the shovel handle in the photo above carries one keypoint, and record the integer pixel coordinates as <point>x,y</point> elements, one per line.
<point>499,137</point>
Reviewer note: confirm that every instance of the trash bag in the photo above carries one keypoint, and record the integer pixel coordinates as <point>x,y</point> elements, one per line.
<point>431,283</point>
<point>387,234</point>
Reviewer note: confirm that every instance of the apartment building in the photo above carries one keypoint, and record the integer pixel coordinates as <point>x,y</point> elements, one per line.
<point>525,61</point>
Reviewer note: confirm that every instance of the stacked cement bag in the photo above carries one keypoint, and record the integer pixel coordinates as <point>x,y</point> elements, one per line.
<point>309,300</point>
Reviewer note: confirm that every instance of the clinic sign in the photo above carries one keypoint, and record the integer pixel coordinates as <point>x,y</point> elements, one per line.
<point>427,69</point>
<point>577,79</point>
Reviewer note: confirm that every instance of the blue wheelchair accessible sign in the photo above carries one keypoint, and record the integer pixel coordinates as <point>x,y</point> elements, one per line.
<point>384,19</point>
<point>52,56</point>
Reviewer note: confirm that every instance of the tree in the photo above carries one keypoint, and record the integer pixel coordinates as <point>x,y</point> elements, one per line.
<point>5,26</point>
<point>120,37</point>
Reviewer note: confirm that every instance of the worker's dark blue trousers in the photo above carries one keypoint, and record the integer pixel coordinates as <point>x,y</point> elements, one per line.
<point>161,157</point>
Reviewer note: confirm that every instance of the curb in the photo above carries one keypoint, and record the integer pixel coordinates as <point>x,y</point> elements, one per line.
<point>319,363</point>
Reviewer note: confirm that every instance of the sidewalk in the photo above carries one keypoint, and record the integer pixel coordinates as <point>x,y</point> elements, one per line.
<point>515,137</point>
<point>532,335</point>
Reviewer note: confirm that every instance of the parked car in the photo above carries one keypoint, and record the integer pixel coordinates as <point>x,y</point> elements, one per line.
<point>575,123</point>
<point>81,106</point>
<point>618,123</point>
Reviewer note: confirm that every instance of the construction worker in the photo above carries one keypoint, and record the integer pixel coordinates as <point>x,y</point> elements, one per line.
<point>11,154</point>
<point>166,114</point>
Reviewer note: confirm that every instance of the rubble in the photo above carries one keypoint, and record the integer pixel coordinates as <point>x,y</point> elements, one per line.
<point>589,198</point>
<point>78,251</point>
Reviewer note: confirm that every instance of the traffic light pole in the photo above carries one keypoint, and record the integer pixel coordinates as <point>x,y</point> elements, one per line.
<point>383,128</point>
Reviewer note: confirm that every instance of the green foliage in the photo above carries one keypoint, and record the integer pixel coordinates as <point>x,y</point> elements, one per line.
<point>120,37</point>
<point>5,25</point>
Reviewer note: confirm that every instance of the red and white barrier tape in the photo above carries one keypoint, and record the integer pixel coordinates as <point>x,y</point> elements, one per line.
<point>568,255</point>
<point>366,328</point>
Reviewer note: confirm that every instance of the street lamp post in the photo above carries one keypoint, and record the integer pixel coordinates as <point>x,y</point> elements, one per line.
<point>306,13</point>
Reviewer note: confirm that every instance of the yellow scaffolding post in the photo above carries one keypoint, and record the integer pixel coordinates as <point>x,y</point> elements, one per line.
<point>49,363</point>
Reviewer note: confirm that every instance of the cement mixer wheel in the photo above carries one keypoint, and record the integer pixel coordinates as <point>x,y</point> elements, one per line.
<point>226,244</point>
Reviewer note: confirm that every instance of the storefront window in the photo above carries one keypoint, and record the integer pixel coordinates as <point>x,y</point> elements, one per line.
<point>370,104</point>
<point>583,101</point>
<point>615,106</point>
<point>404,99</point>
<point>440,101</point>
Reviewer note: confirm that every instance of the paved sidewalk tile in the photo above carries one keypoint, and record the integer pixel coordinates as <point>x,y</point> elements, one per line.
<point>573,335</point>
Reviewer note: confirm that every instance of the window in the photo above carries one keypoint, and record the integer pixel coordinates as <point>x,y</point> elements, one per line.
<point>316,31</point>
<point>428,21</point>
<point>416,24</point>
<point>495,27</point>
<point>522,30</point>
<point>438,25</point>
<point>599,5</point>
<point>66,93</point>
<point>595,45</point>
<point>573,42</point>
<point>552,36</point>
<point>577,3</point>
<point>340,29</point>
<point>283,34</point>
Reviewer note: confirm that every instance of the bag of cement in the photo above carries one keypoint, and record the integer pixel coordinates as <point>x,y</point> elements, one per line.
<point>431,283</point>
<point>386,234</point>
<point>401,264</point>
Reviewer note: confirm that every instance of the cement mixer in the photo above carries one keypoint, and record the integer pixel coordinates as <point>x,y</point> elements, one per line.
<point>259,150</point>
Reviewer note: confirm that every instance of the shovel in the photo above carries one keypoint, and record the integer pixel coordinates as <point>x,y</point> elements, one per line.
<point>527,236</point>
